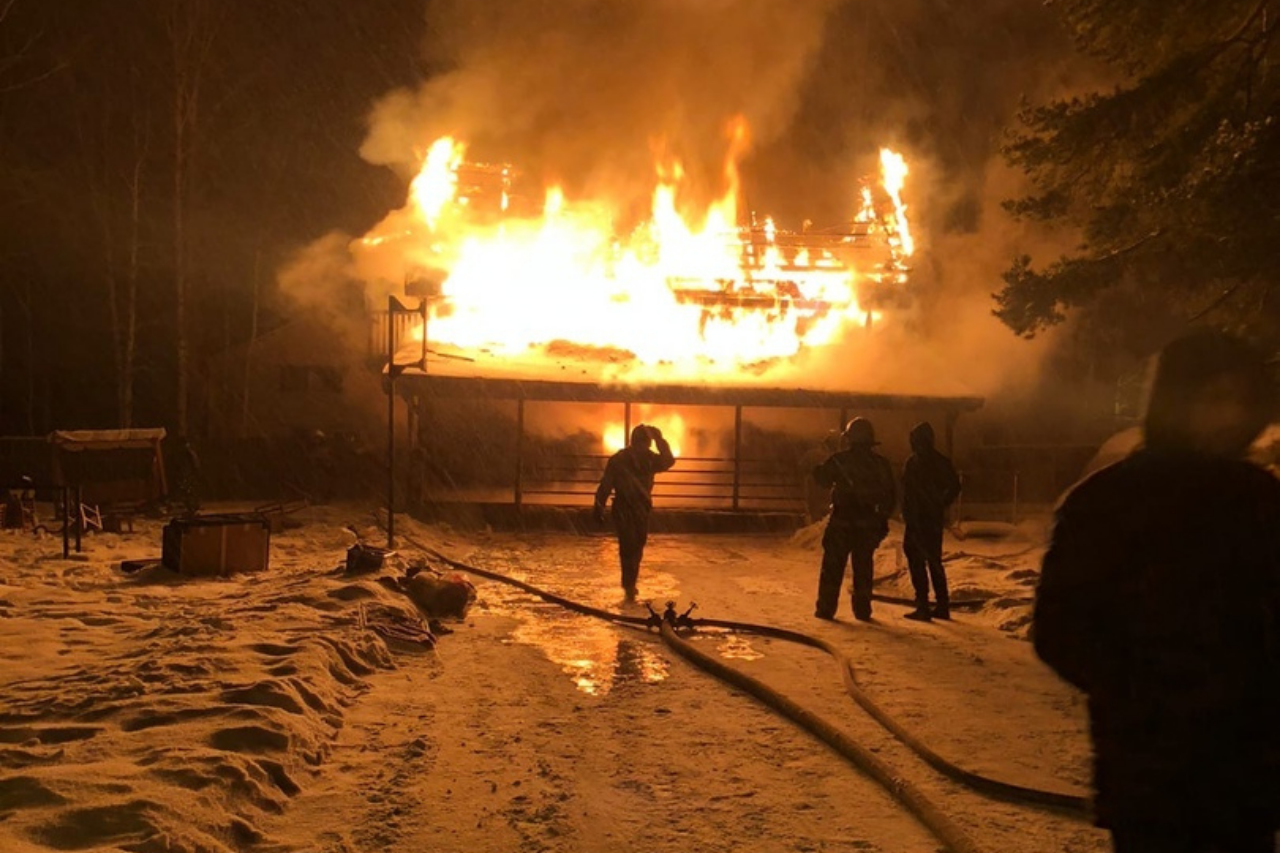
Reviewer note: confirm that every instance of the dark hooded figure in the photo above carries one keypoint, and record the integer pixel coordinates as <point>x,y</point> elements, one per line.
<point>929,486</point>
<point>628,475</point>
<point>862,499</point>
<point>1160,599</point>
<point>188,476</point>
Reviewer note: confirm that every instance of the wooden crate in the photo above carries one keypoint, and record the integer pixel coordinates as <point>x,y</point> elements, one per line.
<point>217,545</point>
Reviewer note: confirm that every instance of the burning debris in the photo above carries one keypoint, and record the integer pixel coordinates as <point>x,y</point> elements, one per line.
<point>678,291</point>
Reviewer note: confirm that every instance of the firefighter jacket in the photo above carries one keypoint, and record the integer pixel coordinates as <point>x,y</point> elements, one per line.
<point>862,488</point>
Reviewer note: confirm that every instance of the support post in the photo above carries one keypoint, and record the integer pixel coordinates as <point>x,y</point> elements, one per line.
<point>626,423</point>
<point>66,521</point>
<point>415,435</point>
<point>949,438</point>
<point>737,456</point>
<point>394,311</point>
<point>519,490</point>
<point>79,517</point>
<point>391,423</point>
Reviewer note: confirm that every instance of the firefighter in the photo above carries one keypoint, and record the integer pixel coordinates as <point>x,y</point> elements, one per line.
<point>929,486</point>
<point>628,475</point>
<point>862,499</point>
<point>1159,598</point>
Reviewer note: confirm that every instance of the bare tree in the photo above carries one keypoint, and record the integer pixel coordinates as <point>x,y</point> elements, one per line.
<point>114,135</point>
<point>192,28</point>
<point>253,337</point>
<point>18,70</point>
<point>25,300</point>
<point>12,74</point>
<point>128,347</point>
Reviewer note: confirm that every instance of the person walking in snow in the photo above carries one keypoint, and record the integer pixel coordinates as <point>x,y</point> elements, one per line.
<point>862,499</point>
<point>1159,597</point>
<point>628,476</point>
<point>929,486</point>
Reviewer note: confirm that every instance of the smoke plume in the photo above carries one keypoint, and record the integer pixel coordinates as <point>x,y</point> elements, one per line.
<point>580,91</point>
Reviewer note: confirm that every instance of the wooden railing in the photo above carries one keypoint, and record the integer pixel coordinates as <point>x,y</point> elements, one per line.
<point>694,482</point>
<point>405,324</point>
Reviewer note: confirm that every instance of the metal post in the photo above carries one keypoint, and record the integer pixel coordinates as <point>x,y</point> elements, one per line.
<point>626,423</point>
<point>737,455</point>
<point>422,307</point>
<point>79,516</point>
<point>391,423</point>
<point>66,521</point>
<point>421,497</point>
<point>519,490</point>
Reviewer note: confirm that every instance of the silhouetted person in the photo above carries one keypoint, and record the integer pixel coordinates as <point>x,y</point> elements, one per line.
<point>1160,599</point>
<point>862,498</point>
<point>929,486</point>
<point>817,498</point>
<point>628,475</point>
<point>189,476</point>
<point>321,471</point>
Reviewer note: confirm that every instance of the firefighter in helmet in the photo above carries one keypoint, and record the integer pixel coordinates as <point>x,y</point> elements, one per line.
<point>862,499</point>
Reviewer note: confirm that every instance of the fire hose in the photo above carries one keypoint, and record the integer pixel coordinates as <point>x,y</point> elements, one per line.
<point>1075,805</point>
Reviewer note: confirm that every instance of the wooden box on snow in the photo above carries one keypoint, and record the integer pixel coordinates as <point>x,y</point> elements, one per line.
<point>216,545</point>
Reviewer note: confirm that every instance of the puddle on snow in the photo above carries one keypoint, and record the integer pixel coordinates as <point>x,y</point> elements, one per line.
<point>737,647</point>
<point>596,655</point>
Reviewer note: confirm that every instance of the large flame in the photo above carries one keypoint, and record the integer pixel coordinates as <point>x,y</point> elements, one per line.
<point>687,294</point>
<point>894,167</point>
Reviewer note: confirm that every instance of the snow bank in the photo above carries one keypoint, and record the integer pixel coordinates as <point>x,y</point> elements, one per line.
<point>154,713</point>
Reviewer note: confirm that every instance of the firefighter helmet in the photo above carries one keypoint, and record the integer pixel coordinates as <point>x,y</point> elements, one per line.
<point>860,432</point>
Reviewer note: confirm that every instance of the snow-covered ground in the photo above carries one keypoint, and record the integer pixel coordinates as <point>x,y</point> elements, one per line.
<point>153,713</point>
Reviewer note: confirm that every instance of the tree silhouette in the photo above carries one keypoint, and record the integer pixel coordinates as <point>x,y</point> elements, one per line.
<point>1171,177</point>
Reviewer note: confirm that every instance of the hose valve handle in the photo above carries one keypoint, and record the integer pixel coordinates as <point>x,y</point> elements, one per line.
<point>669,615</point>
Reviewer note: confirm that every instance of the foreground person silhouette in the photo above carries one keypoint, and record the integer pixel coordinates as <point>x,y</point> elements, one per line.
<point>628,475</point>
<point>1160,599</point>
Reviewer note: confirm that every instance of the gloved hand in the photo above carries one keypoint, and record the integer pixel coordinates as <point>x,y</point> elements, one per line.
<point>597,513</point>
<point>655,432</point>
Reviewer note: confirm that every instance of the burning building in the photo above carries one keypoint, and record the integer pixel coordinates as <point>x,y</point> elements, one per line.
<point>549,325</point>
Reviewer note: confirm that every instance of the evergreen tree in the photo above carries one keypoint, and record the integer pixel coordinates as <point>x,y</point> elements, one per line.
<point>1171,177</point>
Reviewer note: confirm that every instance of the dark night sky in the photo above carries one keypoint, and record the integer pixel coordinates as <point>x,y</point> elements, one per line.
<point>284,103</point>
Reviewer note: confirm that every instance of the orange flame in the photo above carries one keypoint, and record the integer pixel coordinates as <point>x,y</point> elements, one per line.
<point>895,170</point>
<point>437,184</point>
<point>683,297</point>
